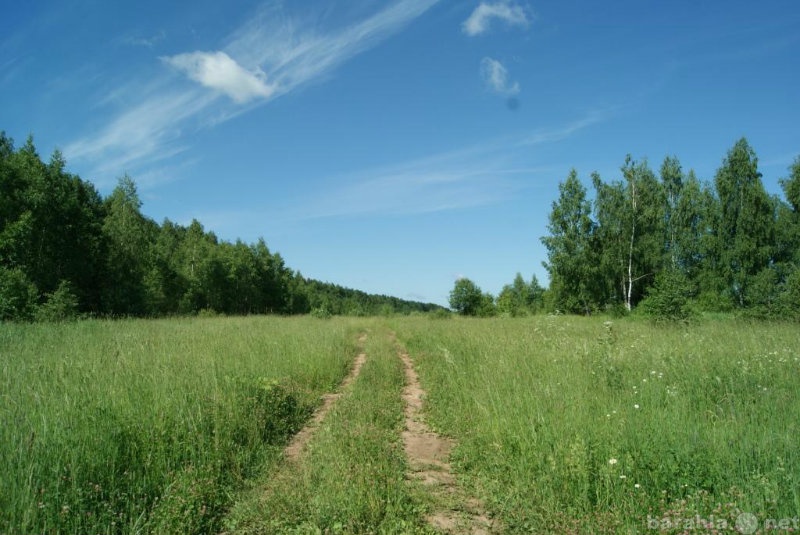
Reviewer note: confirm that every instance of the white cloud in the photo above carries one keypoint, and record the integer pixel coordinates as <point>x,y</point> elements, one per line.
<point>495,75</point>
<point>275,54</point>
<point>218,71</point>
<point>509,12</point>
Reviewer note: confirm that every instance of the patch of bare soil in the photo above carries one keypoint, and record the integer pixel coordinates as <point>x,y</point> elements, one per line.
<point>428,456</point>
<point>300,440</point>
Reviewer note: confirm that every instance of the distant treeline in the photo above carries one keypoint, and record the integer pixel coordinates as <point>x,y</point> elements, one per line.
<point>672,241</point>
<point>65,250</point>
<point>671,245</point>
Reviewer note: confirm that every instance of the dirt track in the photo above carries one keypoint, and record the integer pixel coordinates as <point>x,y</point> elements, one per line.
<point>300,440</point>
<point>428,456</point>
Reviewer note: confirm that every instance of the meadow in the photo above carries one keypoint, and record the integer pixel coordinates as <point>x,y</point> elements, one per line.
<point>149,426</point>
<point>562,424</point>
<point>585,425</point>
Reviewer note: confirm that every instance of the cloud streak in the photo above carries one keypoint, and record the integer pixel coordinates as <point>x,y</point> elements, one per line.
<point>495,75</point>
<point>270,55</point>
<point>474,176</point>
<point>480,20</point>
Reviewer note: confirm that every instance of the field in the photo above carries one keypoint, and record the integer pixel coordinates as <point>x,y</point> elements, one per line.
<point>557,425</point>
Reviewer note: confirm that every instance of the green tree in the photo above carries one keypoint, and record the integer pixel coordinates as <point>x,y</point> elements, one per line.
<point>466,297</point>
<point>789,216</point>
<point>791,186</point>
<point>50,223</point>
<point>571,259</point>
<point>746,225</point>
<point>128,247</point>
<point>672,183</point>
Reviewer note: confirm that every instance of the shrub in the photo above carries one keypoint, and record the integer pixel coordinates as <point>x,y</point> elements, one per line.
<point>670,298</point>
<point>61,305</point>
<point>321,313</point>
<point>17,295</point>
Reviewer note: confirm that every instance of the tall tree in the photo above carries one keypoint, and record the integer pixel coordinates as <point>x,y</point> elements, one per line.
<point>746,225</point>
<point>569,248</point>
<point>672,183</point>
<point>466,297</point>
<point>630,237</point>
<point>127,260</point>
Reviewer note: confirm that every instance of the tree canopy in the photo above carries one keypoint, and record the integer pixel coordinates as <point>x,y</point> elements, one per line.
<point>65,250</point>
<point>727,245</point>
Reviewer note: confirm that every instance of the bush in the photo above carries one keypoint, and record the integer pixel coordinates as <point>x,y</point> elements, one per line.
<point>321,313</point>
<point>440,314</point>
<point>61,305</point>
<point>670,298</point>
<point>18,295</point>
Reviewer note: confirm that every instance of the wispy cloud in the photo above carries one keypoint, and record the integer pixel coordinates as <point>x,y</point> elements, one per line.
<point>270,55</point>
<point>147,42</point>
<point>142,135</point>
<point>481,18</point>
<point>217,71</point>
<point>292,52</point>
<point>495,75</point>
<point>550,135</point>
<point>483,174</point>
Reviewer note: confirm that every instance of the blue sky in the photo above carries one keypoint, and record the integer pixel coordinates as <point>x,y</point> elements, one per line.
<point>393,146</point>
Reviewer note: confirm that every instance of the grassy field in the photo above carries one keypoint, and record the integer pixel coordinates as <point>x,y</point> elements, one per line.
<point>581,425</point>
<point>351,478</point>
<point>563,424</point>
<point>149,426</point>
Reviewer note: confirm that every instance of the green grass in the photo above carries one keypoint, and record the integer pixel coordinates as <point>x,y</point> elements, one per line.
<point>576,425</point>
<point>149,426</point>
<point>564,424</point>
<point>351,477</point>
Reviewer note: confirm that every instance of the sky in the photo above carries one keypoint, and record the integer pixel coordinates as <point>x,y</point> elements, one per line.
<point>394,146</point>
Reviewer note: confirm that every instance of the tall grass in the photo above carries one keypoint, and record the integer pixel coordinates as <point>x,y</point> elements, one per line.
<point>351,478</point>
<point>148,426</point>
<point>580,425</point>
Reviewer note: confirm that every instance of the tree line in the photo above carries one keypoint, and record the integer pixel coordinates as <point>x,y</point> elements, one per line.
<point>65,250</point>
<point>673,241</point>
<point>667,242</point>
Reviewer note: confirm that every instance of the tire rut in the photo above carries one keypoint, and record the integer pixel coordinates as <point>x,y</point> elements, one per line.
<point>300,440</point>
<point>428,455</point>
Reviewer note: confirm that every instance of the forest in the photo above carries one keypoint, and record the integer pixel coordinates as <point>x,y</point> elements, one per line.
<point>670,244</point>
<point>66,251</point>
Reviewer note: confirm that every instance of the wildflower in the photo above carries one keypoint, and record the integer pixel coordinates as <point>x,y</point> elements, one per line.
<point>623,476</point>
<point>637,486</point>
<point>636,406</point>
<point>612,462</point>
